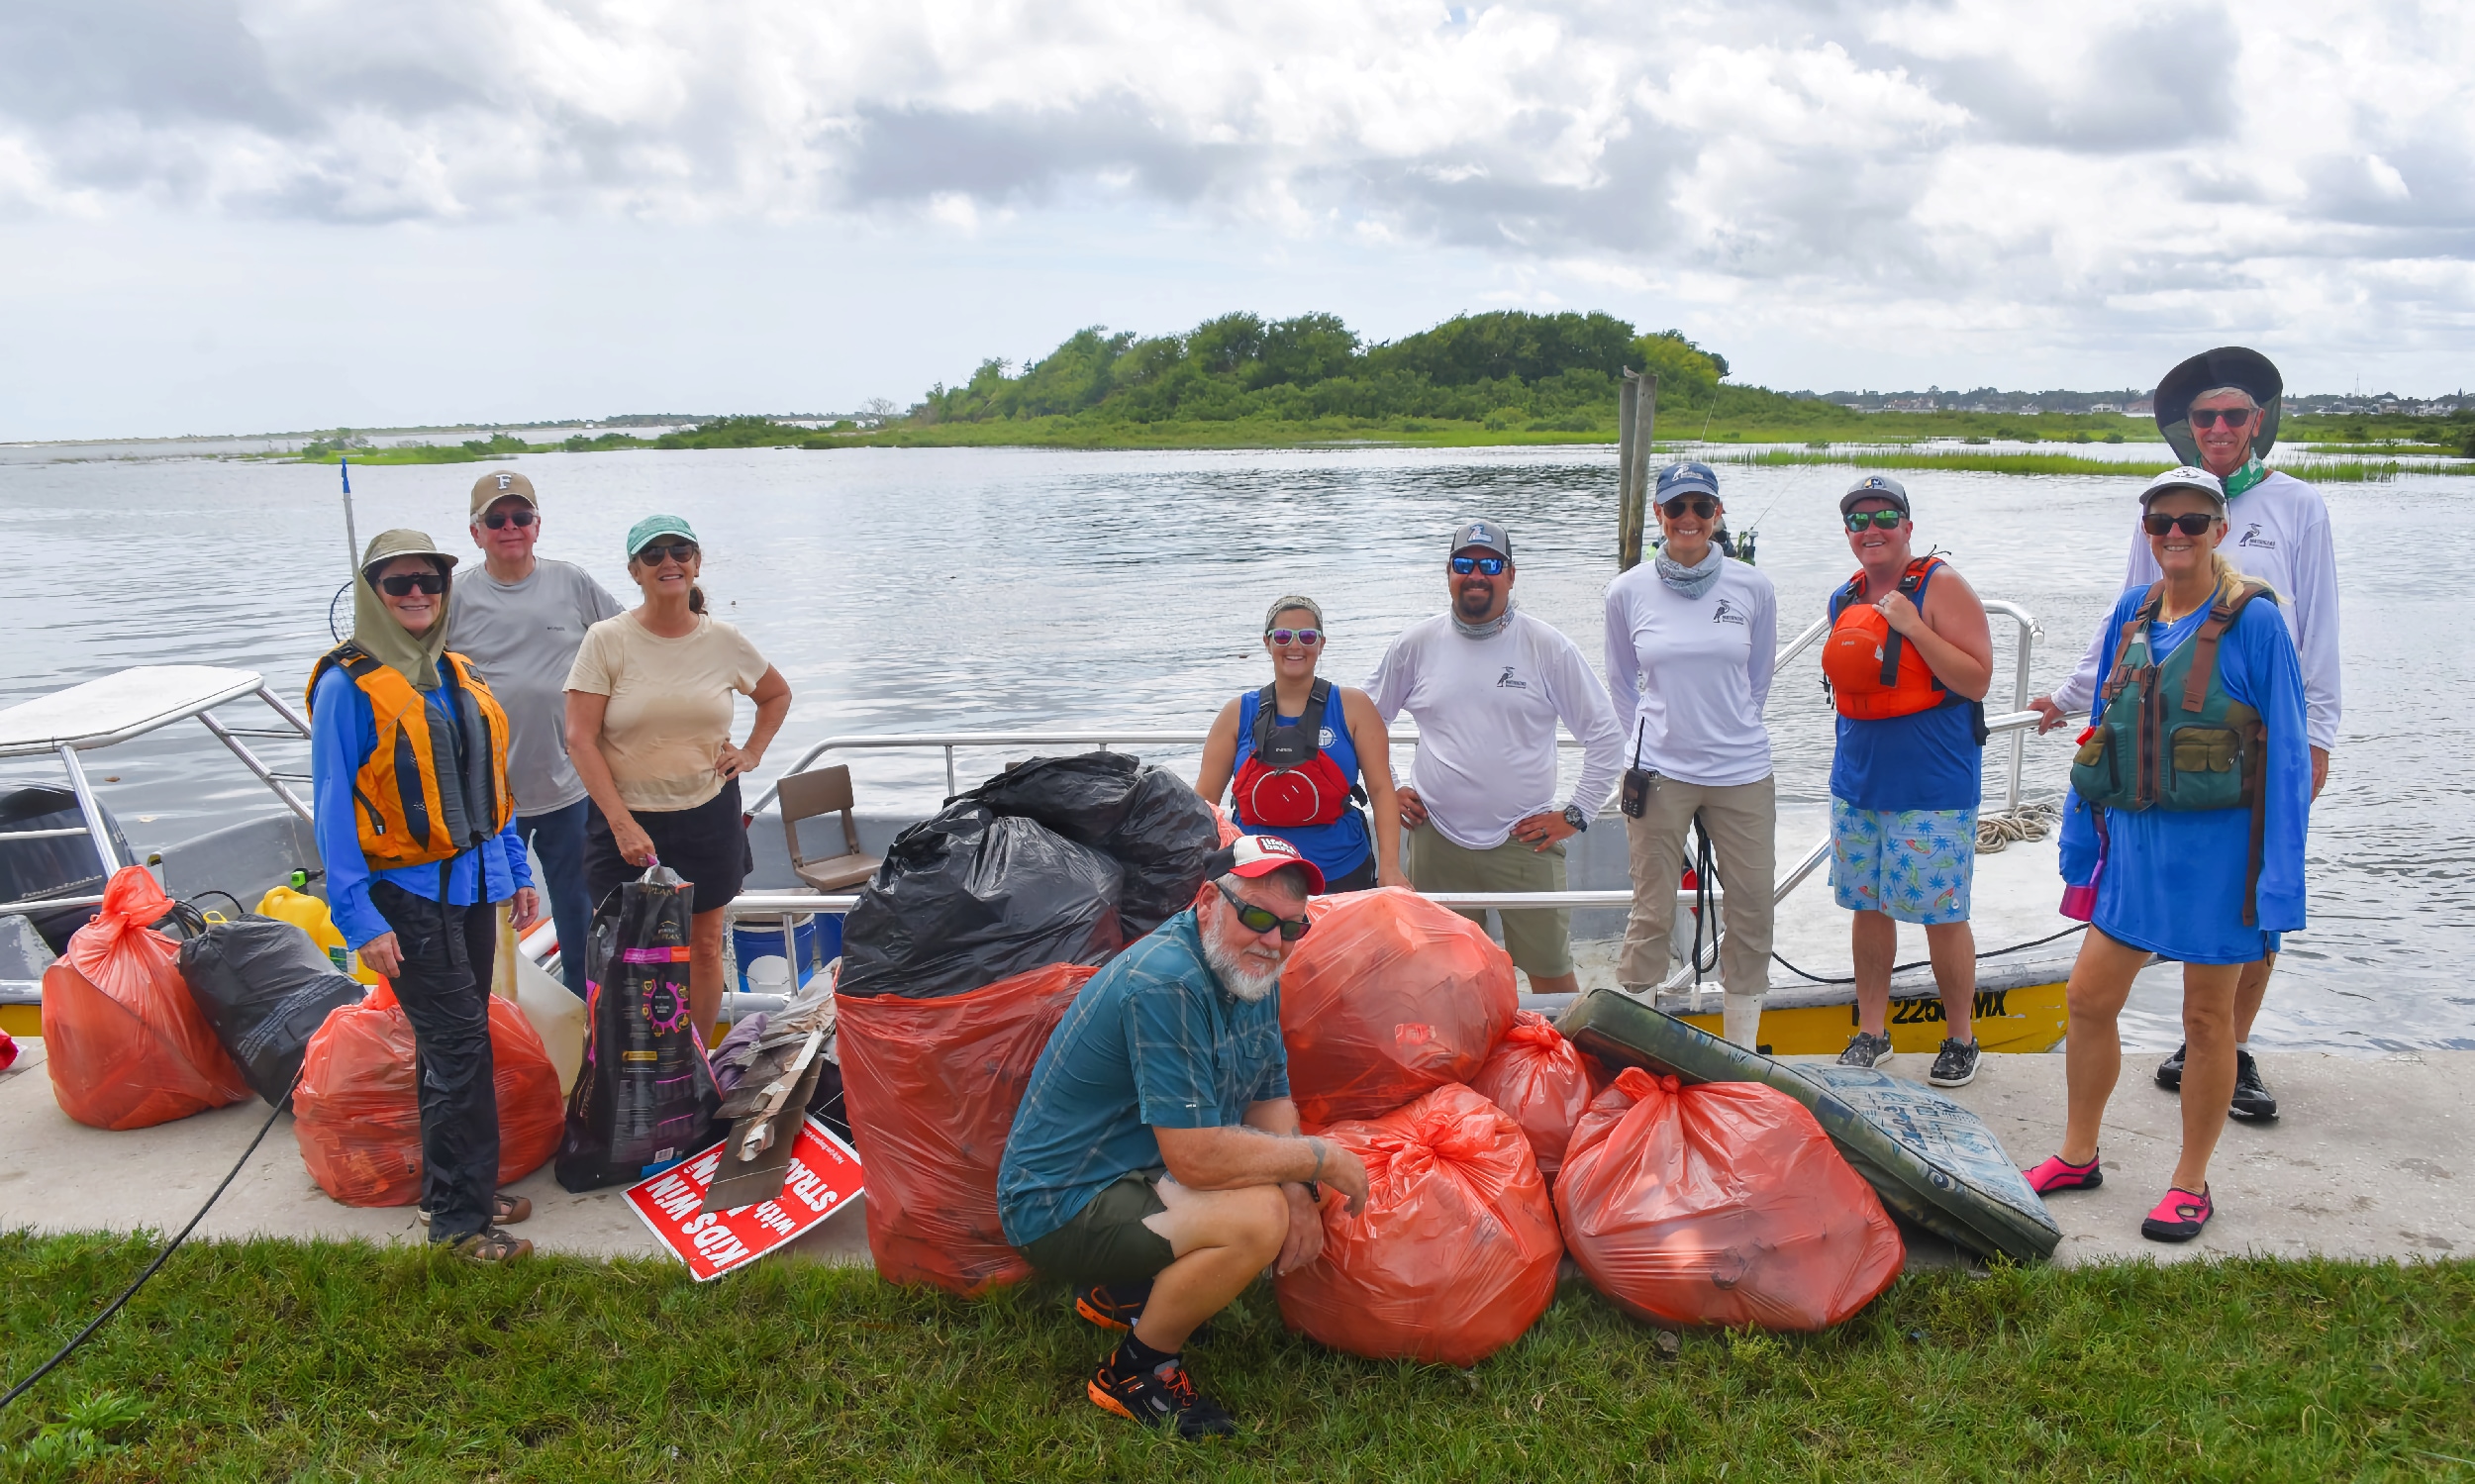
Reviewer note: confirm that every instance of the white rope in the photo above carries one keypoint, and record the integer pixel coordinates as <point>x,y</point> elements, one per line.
<point>2034,820</point>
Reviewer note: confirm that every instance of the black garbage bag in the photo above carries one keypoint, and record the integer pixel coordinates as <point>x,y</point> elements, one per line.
<point>645,1098</point>
<point>1167,834</point>
<point>265,989</point>
<point>1083,796</point>
<point>967,897</point>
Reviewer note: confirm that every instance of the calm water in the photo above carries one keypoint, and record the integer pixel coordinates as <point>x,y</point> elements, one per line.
<point>934,590</point>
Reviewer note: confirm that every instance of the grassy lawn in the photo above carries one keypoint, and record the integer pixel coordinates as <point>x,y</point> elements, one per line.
<point>268,1360</point>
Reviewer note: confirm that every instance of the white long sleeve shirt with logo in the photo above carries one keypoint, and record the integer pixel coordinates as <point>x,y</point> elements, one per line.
<point>1690,676</point>
<point>2278,532</point>
<point>1486,712</point>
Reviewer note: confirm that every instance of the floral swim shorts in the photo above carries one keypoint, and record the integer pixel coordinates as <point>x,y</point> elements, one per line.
<point>1913,865</point>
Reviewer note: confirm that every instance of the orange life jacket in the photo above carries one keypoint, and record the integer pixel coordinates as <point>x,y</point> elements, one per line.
<point>406,813</point>
<point>1875,675</point>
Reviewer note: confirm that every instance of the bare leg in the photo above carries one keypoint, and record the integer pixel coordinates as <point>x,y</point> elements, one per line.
<point>1873,939</point>
<point>1222,1240</point>
<point>704,971</point>
<point>2091,1054</point>
<point>2248,994</point>
<point>1953,948</point>
<point>2208,1064</point>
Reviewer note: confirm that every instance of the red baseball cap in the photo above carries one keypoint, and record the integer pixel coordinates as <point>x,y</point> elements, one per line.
<point>1252,856</point>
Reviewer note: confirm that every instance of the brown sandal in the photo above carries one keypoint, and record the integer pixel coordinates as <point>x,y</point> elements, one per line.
<point>490,1244</point>
<point>505,1210</point>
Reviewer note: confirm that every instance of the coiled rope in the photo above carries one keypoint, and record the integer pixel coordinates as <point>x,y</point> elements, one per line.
<point>2033,821</point>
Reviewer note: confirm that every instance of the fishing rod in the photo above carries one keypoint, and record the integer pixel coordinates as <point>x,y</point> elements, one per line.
<point>352,554</point>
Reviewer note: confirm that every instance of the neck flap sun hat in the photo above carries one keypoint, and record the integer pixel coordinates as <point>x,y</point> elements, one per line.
<point>2227,365</point>
<point>654,526</point>
<point>376,627</point>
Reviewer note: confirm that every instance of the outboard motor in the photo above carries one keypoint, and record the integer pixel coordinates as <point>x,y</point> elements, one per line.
<point>62,866</point>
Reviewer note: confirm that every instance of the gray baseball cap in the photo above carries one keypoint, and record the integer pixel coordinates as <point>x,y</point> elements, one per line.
<point>1877,487</point>
<point>1484,534</point>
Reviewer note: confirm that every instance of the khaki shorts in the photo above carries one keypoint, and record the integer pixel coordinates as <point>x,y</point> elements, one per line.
<point>1538,938</point>
<point>1106,1240</point>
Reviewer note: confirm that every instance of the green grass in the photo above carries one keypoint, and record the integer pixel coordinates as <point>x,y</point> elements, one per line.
<point>272,1360</point>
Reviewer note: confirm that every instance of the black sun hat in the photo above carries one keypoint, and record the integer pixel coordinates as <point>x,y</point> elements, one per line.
<point>2227,365</point>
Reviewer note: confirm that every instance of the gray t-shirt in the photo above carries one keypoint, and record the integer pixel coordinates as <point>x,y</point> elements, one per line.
<point>523,637</point>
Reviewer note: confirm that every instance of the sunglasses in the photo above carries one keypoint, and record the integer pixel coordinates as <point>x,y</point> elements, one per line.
<point>1492,566</point>
<point>1883,519</point>
<point>1674,508</point>
<point>402,583</point>
<point>655,554</point>
<point>501,520</point>
<point>1262,920</point>
<point>2210,417</point>
<point>2189,525</point>
<point>1307,636</point>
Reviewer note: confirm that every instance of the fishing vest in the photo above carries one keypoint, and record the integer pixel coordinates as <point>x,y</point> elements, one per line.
<point>424,796</point>
<point>1288,781</point>
<point>1873,673</point>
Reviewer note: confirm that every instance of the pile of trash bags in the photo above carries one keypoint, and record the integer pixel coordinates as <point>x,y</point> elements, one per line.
<point>123,1039</point>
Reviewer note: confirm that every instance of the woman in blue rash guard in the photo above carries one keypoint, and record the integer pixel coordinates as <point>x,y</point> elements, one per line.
<point>2184,833</point>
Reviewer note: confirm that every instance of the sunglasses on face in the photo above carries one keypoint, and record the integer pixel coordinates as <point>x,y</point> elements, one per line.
<point>501,520</point>
<point>406,582</point>
<point>657,553</point>
<point>1492,566</point>
<point>1262,920</point>
<point>1883,519</point>
<point>1307,636</point>
<point>2189,525</point>
<point>2210,417</point>
<point>1674,508</point>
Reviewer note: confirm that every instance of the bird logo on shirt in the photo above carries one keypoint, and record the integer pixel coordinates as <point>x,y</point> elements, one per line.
<point>1506,681</point>
<point>1726,612</point>
<point>2253,537</point>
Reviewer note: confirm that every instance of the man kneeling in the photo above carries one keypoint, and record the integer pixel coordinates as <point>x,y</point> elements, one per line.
<point>1155,1162</point>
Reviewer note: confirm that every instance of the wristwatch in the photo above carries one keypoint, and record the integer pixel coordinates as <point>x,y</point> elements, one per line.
<point>1575,818</point>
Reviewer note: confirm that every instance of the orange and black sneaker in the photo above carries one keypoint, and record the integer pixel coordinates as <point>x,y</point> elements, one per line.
<point>1113,1306</point>
<point>1160,1398</point>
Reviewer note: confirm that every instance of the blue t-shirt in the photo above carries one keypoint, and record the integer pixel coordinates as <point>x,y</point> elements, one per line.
<point>1336,848</point>
<point>1153,1042</point>
<point>1928,761</point>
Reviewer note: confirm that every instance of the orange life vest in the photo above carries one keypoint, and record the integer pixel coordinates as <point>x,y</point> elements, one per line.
<point>1874,675</point>
<point>416,805</point>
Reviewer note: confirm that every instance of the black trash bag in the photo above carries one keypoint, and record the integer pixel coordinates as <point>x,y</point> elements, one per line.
<point>1083,796</point>
<point>1166,836</point>
<point>645,1098</point>
<point>966,898</point>
<point>264,988</point>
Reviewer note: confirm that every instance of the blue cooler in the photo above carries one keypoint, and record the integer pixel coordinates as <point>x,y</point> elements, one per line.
<point>816,937</point>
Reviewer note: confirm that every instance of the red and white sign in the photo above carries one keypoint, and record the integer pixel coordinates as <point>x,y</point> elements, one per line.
<point>824,1174</point>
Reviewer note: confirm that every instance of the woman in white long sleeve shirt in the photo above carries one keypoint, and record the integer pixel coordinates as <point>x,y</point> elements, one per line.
<point>1692,638</point>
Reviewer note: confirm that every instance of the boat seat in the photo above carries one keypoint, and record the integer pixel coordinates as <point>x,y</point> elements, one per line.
<point>821,791</point>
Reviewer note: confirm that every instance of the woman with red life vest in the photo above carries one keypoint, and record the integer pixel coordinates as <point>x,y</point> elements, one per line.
<point>417,831</point>
<point>2183,838</point>
<point>1297,755</point>
<point>1908,660</point>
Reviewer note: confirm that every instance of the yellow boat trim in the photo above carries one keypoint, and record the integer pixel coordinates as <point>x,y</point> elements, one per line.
<point>2029,1019</point>
<point>21,1020</point>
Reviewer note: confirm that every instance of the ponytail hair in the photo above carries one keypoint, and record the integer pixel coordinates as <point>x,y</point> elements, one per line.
<point>696,591</point>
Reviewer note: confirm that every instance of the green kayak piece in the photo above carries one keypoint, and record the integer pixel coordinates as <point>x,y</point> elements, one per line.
<point>1930,1159</point>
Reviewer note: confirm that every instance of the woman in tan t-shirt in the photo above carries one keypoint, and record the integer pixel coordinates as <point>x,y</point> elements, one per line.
<point>648,729</point>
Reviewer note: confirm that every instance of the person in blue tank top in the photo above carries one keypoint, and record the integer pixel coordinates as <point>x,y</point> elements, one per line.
<point>1909,659</point>
<point>1298,770</point>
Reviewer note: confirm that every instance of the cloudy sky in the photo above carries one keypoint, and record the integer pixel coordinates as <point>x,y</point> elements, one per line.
<point>222,215</point>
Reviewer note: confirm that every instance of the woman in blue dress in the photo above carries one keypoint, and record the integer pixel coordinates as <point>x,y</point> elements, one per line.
<point>1297,766</point>
<point>2184,833</point>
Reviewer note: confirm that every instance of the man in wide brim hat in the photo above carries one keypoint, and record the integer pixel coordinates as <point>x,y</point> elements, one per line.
<point>2220,412</point>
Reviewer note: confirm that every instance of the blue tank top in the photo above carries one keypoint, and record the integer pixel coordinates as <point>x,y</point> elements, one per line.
<point>1336,848</point>
<point>1928,761</point>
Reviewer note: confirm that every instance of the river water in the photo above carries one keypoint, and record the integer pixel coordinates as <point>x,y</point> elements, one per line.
<point>914,590</point>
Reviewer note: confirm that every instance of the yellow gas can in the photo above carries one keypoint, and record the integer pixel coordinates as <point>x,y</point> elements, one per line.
<point>309,914</point>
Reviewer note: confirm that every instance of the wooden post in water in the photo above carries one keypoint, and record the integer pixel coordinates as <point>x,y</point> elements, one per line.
<point>1636,423</point>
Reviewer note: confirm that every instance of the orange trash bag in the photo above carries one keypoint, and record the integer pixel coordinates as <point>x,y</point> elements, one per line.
<point>126,1045</point>
<point>356,1114</point>
<point>1389,996</point>
<point>1537,1078</point>
<point>1454,1256</point>
<point>1720,1203</point>
<point>931,1087</point>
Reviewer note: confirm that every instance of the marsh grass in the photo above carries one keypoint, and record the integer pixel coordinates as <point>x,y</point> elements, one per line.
<point>2313,470</point>
<point>269,1359</point>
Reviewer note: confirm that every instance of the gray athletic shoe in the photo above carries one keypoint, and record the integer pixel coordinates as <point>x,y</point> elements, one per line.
<point>1956,1065</point>
<point>1866,1051</point>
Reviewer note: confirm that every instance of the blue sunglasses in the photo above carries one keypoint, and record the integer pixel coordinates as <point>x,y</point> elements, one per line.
<point>1492,566</point>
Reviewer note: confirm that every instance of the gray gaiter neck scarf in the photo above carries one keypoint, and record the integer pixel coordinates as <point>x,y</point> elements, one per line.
<point>1488,629</point>
<point>1691,581</point>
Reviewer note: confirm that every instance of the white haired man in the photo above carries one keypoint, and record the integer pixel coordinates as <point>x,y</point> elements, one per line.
<point>1156,1160</point>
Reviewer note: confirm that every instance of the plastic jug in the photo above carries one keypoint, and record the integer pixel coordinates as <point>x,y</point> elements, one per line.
<point>309,914</point>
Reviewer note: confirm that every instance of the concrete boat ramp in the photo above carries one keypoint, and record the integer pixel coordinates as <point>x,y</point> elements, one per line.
<point>2374,1159</point>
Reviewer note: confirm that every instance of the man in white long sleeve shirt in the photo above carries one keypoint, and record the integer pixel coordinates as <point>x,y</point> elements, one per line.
<point>2220,411</point>
<point>1487,684</point>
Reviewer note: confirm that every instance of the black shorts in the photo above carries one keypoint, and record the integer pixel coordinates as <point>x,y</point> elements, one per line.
<point>706,846</point>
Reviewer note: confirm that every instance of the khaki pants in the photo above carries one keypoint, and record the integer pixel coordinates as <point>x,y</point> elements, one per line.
<point>1539,940</point>
<point>1742,821</point>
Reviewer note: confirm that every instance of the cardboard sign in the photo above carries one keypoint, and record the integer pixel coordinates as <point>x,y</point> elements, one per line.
<point>824,1174</point>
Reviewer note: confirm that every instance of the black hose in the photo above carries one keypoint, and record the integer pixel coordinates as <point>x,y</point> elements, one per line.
<point>1923,962</point>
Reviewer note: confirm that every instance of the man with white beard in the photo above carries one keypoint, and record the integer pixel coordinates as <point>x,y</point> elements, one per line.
<point>1156,1162</point>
